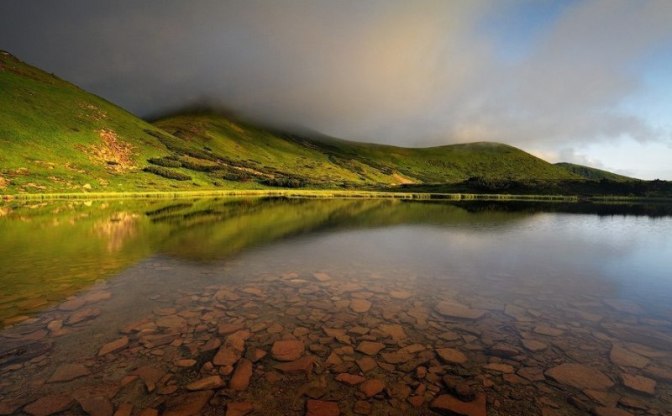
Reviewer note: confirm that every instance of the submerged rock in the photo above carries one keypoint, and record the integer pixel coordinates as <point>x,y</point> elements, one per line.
<point>451,355</point>
<point>322,408</point>
<point>372,387</point>
<point>207,383</point>
<point>449,405</point>
<point>287,350</point>
<point>68,372</point>
<point>241,376</point>
<point>453,309</point>
<point>640,384</point>
<point>580,377</point>
<point>113,346</point>
<point>48,405</point>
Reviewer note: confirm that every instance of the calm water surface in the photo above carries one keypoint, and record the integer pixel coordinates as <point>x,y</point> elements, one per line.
<point>320,307</point>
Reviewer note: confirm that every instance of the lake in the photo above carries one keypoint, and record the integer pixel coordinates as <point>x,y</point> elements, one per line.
<point>320,307</point>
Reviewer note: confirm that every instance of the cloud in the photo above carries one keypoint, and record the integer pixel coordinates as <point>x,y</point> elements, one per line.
<point>412,73</point>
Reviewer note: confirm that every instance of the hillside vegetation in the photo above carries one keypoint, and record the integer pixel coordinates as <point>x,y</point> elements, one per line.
<point>593,174</point>
<point>56,137</point>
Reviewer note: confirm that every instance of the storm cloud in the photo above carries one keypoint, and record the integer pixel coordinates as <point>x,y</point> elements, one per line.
<point>401,72</point>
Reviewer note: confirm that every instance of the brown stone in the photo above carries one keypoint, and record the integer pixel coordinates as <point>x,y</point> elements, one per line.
<point>360,305</point>
<point>226,356</point>
<point>226,295</point>
<point>602,397</point>
<point>185,363</point>
<point>580,377</point>
<point>239,408</point>
<point>400,294</point>
<point>395,331</point>
<point>413,349</point>
<point>287,350</point>
<point>68,372</point>
<point>207,383</point>
<point>624,358</point>
<point>499,367</point>
<point>548,330</point>
<point>453,309</point>
<point>113,346</point>
<point>372,387</point>
<point>366,364</point>
<point>302,365</point>
<point>534,345</point>
<point>83,315</point>
<point>351,379</point>
<point>55,325</point>
<point>396,357</point>
<point>48,405</point>
<point>96,406</point>
<point>451,355</point>
<point>211,344</point>
<point>322,408</point>
<point>517,313</point>
<point>449,405</point>
<point>640,384</point>
<point>370,348</point>
<point>241,376</point>
<point>150,376</point>
<point>188,404</point>
<point>257,354</point>
<point>416,401</point>
<point>229,328</point>
<point>333,360</point>
<point>171,322</point>
<point>321,277</point>
<point>532,373</point>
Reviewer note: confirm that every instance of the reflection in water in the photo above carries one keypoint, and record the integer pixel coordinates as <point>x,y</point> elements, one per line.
<point>371,306</point>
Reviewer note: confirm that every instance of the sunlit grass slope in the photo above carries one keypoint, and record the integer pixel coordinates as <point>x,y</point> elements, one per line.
<point>56,137</point>
<point>252,153</point>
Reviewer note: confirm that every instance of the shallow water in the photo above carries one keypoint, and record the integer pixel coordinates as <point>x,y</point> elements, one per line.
<point>431,307</point>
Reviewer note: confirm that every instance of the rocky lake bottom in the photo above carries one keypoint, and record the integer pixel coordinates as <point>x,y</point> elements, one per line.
<point>432,310</point>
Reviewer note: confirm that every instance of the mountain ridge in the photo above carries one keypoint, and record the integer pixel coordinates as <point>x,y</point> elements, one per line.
<point>56,137</point>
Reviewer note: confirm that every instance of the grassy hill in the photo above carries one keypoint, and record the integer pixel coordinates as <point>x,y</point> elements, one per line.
<point>593,174</point>
<point>250,153</point>
<point>56,137</point>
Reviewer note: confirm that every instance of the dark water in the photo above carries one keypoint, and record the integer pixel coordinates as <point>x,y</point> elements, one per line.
<point>509,309</point>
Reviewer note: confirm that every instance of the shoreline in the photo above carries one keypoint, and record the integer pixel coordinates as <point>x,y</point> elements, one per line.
<point>327,194</point>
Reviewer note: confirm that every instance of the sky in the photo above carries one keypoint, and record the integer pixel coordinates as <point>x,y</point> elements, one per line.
<point>584,81</point>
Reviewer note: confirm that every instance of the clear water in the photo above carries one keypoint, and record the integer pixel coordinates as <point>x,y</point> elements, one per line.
<point>590,284</point>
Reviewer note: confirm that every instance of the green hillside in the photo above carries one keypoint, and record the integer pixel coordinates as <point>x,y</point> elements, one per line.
<point>56,137</point>
<point>244,152</point>
<point>593,174</point>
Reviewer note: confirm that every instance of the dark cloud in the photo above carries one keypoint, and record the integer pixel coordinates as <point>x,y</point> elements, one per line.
<point>403,72</point>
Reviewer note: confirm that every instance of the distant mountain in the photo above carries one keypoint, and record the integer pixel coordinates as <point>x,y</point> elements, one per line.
<point>56,137</point>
